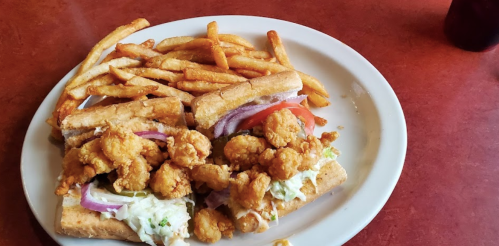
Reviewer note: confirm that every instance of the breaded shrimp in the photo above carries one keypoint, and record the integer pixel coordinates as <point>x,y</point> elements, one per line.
<point>133,176</point>
<point>91,154</point>
<point>152,153</point>
<point>215,176</point>
<point>328,137</point>
<point>188,148</point>
<point>73,172</point>
<point>242,151</point>
<point>310,150</point>
<point>281,127</point>
<point>210,225</point>
<point>249,187</point>
<point>120,144</point>
<point>285,164</point>
<point>171,181</point>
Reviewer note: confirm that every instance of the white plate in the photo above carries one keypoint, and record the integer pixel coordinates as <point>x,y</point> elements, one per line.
<point>373,141</point>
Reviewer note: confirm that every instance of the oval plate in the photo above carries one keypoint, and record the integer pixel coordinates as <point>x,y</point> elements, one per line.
<point>363,105</point>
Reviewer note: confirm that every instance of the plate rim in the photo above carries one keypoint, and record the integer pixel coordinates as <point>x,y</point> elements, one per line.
<point>391,101</point>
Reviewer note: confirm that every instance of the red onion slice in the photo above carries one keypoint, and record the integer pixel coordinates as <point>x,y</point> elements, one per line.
<point>90,202</point>
<point>228,124</point>
<point>217,198</point>
<point>152,135</point>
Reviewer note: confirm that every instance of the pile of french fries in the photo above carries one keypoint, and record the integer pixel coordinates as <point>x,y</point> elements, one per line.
<point>183,66</point>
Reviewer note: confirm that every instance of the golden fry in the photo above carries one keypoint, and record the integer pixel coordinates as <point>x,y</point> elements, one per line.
<point>305,103</point>
<point>80,92</point>
<point>263,66</point>
<point>120,74</point>
<point>121,91</point>
<point>163,90</point>
<point>259,54</point>
<point>111,39</point>
<point>278,48</point>
<point>209,76</point>
<point>314,98</point>
<point>180,65</point>
<point>101,69</point>
<point>155,73</point>
<point>169,44</point>
<point>199,86</point>
<point>135,50</point>
<point>212,32</point>
<point>231,38</point>
<point>219,56</point>
<point>199,56</point>
<point>67,107</point>
<point>198,43</point>
<point>115,54</point>
<point>249,73</point>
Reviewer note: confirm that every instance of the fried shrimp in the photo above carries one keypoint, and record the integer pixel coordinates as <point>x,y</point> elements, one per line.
<point>73,172</point>
<point>152,153</point>
<point>249,187</point>
<point>281,127</point>
<point>215,176</point>
<point>243,151</point>
<point>91,154</point>
<point>188,148</point>
<point>328,137</point>
<point>171,181</point>
<point>120,144</point>
<point>285,164</point>
<point>133,176</point>
<point>310,150</point>
<point>210,225</point>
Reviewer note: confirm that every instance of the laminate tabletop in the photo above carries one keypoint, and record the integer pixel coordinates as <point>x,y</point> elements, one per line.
<point>448,192</point>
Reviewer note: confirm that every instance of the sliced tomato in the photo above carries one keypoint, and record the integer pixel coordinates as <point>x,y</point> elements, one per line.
<point>295,108</point>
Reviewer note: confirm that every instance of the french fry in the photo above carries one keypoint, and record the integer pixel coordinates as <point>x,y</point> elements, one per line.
<point>67,107</point>
<point>249,73</point>
<point>199,56</point>
<point>231,45</point>
<point>120,74</point>
<point>219,56</point>
<point>199,86</point>
<point>216,50</point>
<point>209,76</point>
<point>232,51</point>
<point>180,65</point>
<point>320,121</point>
<point>115,54</point>
<point>163,90</point>
<point>271,59</point>
<point>101,69</point>
<point>80,92</point>
<point>314,98</point>
<point>278,48</point>
<point>111,39</point>
<point>259,54</point>
<point>212,31</point>
<point>231,38</point>
<point>169,44</point>
<point>263,66</point>
<point>135,50</point>
<point>305,103</point>
<point>155,73</point>
<point>121,91</point>
<point>198,43</point>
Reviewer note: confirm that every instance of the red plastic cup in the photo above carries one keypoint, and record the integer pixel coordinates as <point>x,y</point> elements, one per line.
<point>473,24</point>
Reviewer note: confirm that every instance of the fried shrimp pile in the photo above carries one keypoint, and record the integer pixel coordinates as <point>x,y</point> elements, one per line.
<point>216,177</point>
<point>210,225</point>
<point>281,127</point>
<point>249,187</point>
<point>189,148</point>
<point>242,151</point>
<point>171,181</point>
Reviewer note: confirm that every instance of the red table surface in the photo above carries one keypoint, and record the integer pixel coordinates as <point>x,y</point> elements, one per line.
<point>448,193</point>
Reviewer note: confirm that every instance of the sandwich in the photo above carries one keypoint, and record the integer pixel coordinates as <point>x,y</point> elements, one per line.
<point>118,179</point>
<point>264,137</point>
